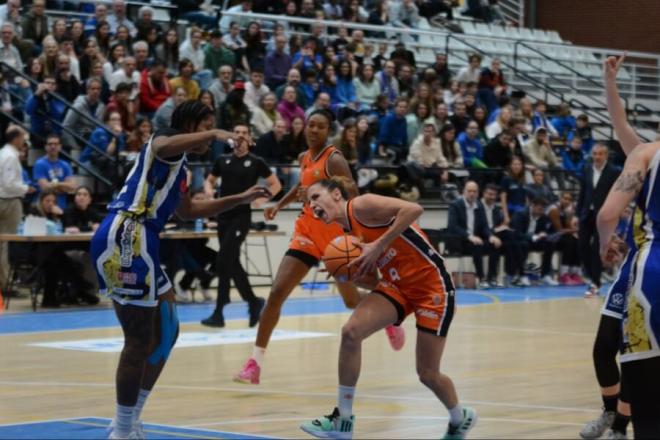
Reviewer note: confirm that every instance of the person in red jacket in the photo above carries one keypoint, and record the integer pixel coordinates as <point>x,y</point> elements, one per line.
<point>154,88</point>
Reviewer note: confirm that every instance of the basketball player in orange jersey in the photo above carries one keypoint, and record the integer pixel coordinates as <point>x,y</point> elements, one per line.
<point>414,280</point>
<point>310,238</point>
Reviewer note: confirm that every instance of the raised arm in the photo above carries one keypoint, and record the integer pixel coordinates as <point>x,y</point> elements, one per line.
<point>622,128</point>
<point>624,191</point>
<point>375,209</point>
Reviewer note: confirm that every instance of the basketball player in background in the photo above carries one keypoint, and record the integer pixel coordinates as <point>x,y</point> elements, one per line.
<point>125,250</point>
<point>414,280</point>
<point>310,238</point>
<point>616,409</point>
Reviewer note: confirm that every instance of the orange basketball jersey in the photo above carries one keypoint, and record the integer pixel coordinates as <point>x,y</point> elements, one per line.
<point>311,235</point>
<point>410,259</point>
<point>313,169</point>
<point>414,277</point>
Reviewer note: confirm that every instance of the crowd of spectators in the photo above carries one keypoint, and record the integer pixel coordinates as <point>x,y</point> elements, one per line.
<point>130,72</point>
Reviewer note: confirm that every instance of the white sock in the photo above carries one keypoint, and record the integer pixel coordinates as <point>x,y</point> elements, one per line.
<point>142,398</point>
<point>123,421</point>
<point>563,269</point>
<point>258,354</point>
<point>345,400</point>
<point>456,415</point>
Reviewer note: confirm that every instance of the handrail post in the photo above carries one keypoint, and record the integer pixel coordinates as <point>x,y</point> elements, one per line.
<point>515,56</point>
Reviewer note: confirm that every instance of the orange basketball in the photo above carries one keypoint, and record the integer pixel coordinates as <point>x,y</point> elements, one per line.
<point>339,253</point>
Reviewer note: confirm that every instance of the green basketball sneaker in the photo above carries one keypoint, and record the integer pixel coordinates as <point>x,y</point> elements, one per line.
<point>332,426</point>
<point>460,431</point>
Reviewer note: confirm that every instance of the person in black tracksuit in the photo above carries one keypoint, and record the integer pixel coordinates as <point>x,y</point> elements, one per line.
<point>239,171</point>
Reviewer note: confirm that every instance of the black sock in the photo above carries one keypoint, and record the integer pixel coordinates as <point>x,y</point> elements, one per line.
<point>620,423</point>
<point>609,402</point>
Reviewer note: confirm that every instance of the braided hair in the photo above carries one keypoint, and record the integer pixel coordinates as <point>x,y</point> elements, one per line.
<point>188,114</point>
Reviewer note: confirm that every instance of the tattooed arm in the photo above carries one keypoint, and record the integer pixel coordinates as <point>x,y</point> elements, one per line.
<point>625,190</point>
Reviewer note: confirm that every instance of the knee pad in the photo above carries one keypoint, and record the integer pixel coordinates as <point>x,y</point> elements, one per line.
<point>169,332</point>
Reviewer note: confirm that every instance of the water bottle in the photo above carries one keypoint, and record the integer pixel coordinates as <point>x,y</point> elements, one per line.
<point>21,228</point>
<point>59,229</point>
<point>199,225</point>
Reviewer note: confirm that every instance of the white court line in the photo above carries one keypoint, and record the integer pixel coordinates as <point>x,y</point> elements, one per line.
<point>431,418</point>
<point>253,390</point>
<point>44,421</point>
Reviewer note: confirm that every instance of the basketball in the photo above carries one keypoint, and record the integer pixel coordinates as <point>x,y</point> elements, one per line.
<point>339,253</point>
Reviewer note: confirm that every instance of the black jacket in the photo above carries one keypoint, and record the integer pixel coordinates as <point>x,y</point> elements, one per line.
<point>458,220</point>
<point>520,223</point>
<point>595,196</point>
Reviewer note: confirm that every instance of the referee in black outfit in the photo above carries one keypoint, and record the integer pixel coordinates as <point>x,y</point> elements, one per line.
<point>238,171</point>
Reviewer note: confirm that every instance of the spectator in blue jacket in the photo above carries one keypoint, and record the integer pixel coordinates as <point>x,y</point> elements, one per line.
<point>345,87</point>
<point>42,107</point>
<point>541,120</point>
<point>471,147</point>
<point>564,122</point>
<point>582,130</point>
<point>52,173</point>
<point>109,142</point>
<point>573,157</point>
<point>393,134</point>
<point>307,58</point>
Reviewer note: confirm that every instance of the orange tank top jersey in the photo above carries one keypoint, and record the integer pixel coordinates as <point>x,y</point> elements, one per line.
<point>311,236</point>
<point>413,273</point>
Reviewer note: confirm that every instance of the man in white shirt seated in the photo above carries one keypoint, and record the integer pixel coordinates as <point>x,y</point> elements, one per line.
<point>118,17</point>
<point>127,74</point>
<point>255,89</point>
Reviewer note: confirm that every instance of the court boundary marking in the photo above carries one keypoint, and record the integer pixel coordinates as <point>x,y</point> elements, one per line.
<point>82,421</point>
<point>347,312</point>
<point>254,390</point>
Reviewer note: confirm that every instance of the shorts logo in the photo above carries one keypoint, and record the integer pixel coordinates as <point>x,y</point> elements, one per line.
<point>127,277</point>
<point>303,241</point>
<point>617,299</point>
<point>427,313</point>
<point>126,244</point>
<point>437,300</point>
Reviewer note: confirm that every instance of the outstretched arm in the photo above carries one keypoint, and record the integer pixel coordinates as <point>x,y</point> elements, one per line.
<point>189,209</point>
<point>169,146</point>
<point>375,209</point>
<point>624,191</point>
<point>627,136</point>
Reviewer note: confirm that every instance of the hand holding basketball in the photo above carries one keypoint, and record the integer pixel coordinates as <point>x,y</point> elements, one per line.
<point>366,263</point>
<point>338,256</point>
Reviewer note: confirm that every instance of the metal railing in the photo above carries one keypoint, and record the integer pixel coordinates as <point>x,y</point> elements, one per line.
<point>513,11</point>
<point>113,158</point>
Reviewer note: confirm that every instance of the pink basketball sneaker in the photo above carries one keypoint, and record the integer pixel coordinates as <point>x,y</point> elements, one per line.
<point>249,374</point>
<point>396,335</point>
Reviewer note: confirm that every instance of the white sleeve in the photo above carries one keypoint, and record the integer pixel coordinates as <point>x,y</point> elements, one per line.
<point>11,180</point>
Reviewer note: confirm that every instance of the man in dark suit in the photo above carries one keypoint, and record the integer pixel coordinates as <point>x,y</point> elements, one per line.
<point>597,178</point>
<point>495,219</point>
<point>468,226</point>
<point>532,228</point>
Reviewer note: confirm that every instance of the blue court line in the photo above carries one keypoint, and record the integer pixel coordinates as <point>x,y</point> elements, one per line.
<point>95,428</point>
<point>30,322</point>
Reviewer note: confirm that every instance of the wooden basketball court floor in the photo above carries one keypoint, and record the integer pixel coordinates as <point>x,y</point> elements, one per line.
<point>521,357</point>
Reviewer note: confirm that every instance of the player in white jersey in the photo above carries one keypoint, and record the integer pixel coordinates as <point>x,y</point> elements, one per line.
<point>640,357</point>
<point>125,250</point>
